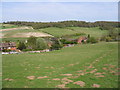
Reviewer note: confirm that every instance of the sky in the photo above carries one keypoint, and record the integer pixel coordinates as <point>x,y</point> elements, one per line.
<point>60,0</point>
<point>59,11</point>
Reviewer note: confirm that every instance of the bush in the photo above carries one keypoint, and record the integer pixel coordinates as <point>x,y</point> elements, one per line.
<point>41,44</point>
<point>31,42</point>
<point>92,40</point>
<point>27,50</point>
<point>57,45</point>
<point>103,38</point>
<point>64,41</point>
<point>70,42</point>
<point>106,27</point>
<point>112,36</point>
<point>21,46</point>
<point>6,50</point>
<point>108,39</point>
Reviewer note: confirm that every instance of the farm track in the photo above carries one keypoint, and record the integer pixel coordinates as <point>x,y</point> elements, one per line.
<point>10,29</point>
<point>23,34</point>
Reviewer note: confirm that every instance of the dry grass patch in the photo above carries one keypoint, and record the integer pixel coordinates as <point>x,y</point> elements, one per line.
<point>31,77</point>
<point>93,71</point>
<point>56,79</point>
<point>61,86</point>
<point>8,79</point>
<point>96,85</point>
<point>36,34</point>
<point>81,83</point>
<point>66,74</point>
<point>66,79</point>
<point>42,77</point>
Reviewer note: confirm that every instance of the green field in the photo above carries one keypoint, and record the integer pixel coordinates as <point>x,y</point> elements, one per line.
<point>17,30</point>
<point>9,34</point>
<point>54,31</point>
<point>6,26</point>
<point>57,31</point>
<point>95,32</point>
<point>88,63</point>
<point>21,33</point>
<point>14,39</point>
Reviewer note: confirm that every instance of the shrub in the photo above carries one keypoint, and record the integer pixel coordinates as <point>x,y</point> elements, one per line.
<point>103,38</point>
<point>27,50</point>
<point>56,45</point>
<point>21,46</point>
<point>108,39</point>
<point>106,27</point>
<point>41,44</point>
<point>92,40</point>
<point>31,42</point>
<point>64,41</point>
<point>6,50</point>
<point>88,35</point>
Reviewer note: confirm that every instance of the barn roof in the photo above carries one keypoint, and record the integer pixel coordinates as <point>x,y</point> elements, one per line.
<point>9,44</point>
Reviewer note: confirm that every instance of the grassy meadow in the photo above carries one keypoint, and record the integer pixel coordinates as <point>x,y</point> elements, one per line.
<point>94,32</point>
<point>81,66</point>
<point>20,33</point>
<point>57,32</point>
<point>9,34</point>
<point>6,26</point>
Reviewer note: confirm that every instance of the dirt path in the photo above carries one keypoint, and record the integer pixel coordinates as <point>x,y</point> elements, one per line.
<point>27,34</point>
<point>16,28</point>
<point>36,34</point>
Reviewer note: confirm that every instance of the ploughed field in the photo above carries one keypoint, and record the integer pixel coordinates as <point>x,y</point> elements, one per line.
<point>80,66</point>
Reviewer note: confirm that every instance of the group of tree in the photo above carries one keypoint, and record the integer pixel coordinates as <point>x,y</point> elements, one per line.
<point>56,44</point>
<point>34,43</point>
<point>113,35</point>
<point>61,24</point>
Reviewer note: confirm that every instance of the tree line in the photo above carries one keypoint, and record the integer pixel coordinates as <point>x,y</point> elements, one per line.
<point>103,25</point>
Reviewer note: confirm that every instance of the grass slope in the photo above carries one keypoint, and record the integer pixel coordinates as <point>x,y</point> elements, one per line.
<point>79,63</point>
<point>8,34</point>
<point>94,32</point>
<point>22,32</point>
<point>57,31</point>
<point>6,26</point>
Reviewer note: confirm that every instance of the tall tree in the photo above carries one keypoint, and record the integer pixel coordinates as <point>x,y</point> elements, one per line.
<point>31,42</point>
<point>41,44</point>
<point>21,46</point>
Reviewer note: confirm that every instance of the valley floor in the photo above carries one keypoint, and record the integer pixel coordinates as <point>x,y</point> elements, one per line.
<point>81,66</point>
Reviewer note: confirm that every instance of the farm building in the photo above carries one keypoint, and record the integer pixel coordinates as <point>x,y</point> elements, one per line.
<point>82,39</point>
<point>8,45</point>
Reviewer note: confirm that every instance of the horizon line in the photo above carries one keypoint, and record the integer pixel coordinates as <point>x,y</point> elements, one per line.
<point>61,21</point>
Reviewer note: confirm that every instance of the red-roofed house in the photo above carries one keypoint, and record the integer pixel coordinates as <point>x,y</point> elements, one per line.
<point>81,39</point>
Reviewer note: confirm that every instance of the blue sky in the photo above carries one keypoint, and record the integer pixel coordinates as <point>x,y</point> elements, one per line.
<point>59,11</point>
<point>60,0</point>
